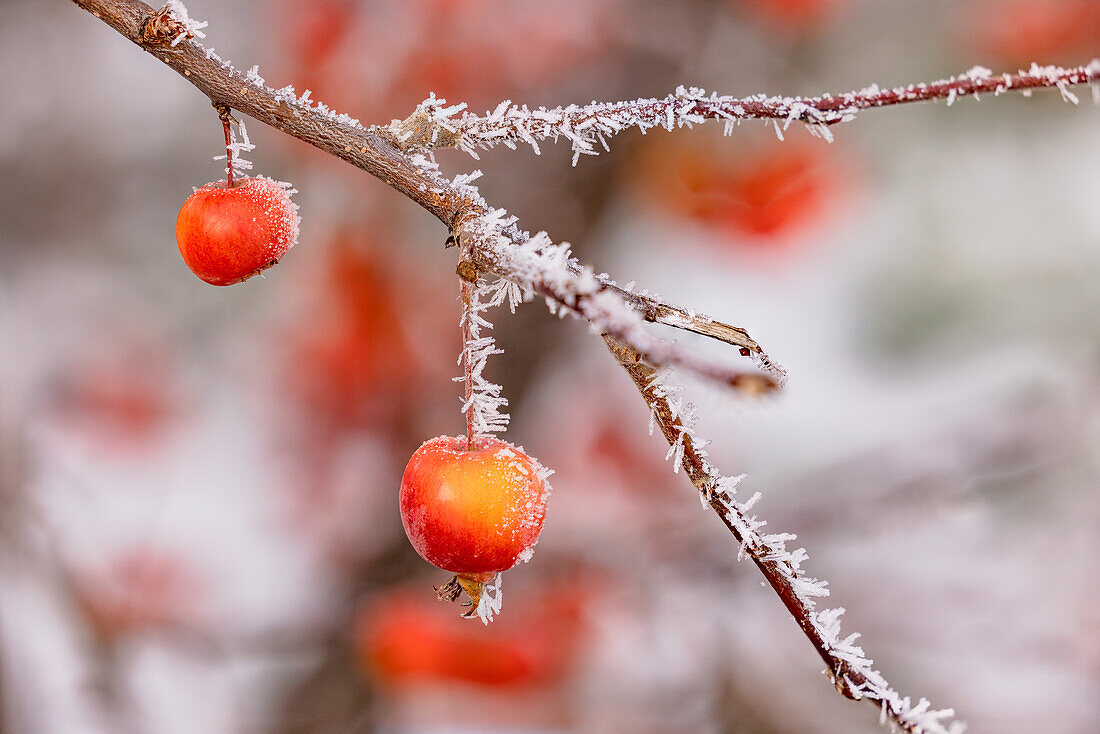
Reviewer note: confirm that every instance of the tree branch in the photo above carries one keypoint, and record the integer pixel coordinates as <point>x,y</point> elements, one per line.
<point>849,669</point>
<point>434,125</point>
<point>544,268</point>
<point>375,151</point>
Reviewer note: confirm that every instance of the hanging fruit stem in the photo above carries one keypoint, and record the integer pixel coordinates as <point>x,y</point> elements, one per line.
<point>467,362</point>
<point>224,114</point>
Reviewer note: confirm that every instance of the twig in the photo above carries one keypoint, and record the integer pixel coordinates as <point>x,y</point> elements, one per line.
<point>658,311</point>
<point>849,669</point>
<point>434,125</point>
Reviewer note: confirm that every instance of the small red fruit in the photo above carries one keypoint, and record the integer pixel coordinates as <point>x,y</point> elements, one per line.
<point>228,234</point>
<point>472,512</point>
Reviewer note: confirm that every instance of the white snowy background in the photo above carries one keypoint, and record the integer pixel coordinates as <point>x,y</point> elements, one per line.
<point>199,485</point>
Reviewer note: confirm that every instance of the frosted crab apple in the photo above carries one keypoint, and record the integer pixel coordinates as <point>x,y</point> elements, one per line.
<point>473,512</point>
<point>229,232</point>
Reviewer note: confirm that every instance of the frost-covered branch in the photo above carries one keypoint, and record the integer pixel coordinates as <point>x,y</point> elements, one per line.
<point>849,669</point>
<point>554,275</point>
<point>588,128</point>
<point>541,267</point>
<point>483,401</point>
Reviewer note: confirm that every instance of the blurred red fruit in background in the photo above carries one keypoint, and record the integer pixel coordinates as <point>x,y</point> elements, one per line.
<point>378,61</point>
<point>124,396</point>
<point>350,359</point>
<point>762,198</point>
<point>798,16</point>
<point>315,30</point>
<point>1024,31</point>
<point>407,638</point>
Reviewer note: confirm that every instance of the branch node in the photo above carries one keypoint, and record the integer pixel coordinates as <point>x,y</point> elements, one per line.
<point>161,28</point>
<point>420,131</point>
<point>467,271</point>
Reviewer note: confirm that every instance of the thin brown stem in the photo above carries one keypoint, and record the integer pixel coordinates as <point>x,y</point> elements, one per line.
<point>223,113</point>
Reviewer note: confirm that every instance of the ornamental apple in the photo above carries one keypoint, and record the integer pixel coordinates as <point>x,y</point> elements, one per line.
<point>473,512</point>
<point>229,232</point>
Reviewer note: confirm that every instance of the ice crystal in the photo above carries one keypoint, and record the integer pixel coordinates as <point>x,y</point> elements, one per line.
<point>490,602</point>
<point>239,165</point>
<point>253,77</point>
<point>485,403</point>
<point>588,128</point>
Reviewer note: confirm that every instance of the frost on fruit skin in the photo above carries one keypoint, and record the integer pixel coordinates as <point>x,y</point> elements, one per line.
<point>472,512</point>
<point>227,235</point>
<point>239,165</point>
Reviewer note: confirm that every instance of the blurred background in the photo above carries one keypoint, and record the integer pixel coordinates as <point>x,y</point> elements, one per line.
<point>198,486</point>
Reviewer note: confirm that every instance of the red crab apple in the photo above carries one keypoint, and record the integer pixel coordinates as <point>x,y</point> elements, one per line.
<point>227,234</point>
<point>473,512</point>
